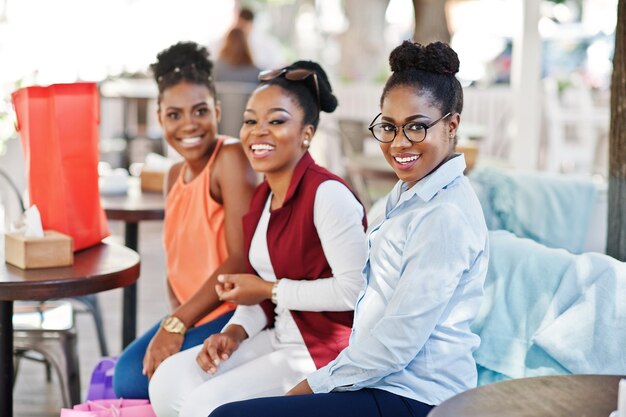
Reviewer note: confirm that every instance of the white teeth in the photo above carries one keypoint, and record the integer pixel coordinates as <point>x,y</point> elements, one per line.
<point>407,159</point>
<point>191,141</point>
<point>262,147</point>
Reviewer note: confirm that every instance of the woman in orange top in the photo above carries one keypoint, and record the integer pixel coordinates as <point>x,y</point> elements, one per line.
<point>206,197</point>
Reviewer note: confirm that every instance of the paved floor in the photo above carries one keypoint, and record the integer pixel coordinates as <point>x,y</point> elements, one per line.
<point>34,397</point>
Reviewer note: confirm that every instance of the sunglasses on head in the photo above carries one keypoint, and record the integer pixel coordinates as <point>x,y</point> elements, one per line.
<point>292,74</point>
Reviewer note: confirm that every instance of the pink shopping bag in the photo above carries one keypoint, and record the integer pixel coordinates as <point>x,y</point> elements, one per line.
<point>110,408</point>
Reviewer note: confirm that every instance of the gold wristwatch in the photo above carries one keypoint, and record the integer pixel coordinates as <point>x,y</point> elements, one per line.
<point>173,324</point>
<point>274,298</point>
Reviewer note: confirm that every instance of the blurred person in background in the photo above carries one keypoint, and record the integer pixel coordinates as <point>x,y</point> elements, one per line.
<point>265,49</point>
<point>234,62</point>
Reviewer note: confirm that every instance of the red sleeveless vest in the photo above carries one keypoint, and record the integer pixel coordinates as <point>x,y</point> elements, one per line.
<point>296,253</point>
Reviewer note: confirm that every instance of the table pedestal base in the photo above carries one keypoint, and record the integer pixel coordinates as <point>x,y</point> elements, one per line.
<point>129,328</point>
<point>6,358</point>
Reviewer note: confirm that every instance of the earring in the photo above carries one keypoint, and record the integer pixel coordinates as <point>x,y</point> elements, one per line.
<point>306,143</point>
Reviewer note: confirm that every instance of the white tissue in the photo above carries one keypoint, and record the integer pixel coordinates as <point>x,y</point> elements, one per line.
<point>32,223</point>
<point>156,162</point>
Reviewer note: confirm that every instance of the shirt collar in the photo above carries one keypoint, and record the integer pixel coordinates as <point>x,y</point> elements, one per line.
<point>429,186</point>
<point>298,173</point>
<point>300,169</point>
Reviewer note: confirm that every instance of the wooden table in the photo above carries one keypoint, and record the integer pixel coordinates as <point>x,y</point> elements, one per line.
<point>550,396</point>
<point>131,208</point>
<point>99,268</point>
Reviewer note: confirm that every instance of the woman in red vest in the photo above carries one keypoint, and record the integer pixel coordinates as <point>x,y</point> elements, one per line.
<point>305,241</point>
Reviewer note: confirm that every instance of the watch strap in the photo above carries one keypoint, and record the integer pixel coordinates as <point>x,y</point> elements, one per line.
<point>275,293</point>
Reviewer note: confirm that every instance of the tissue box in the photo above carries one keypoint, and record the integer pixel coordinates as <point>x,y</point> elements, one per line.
<point>152,181</point>
<point>54,249</point>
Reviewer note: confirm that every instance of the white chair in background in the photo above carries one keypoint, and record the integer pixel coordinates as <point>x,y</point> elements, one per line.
<point>575,128</point>
<point>490,111</point>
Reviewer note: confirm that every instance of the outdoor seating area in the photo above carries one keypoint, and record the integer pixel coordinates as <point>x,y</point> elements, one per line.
<point>276,208</point>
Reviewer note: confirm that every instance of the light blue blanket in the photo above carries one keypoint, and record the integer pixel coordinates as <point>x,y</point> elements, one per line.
<point>547,311</point>
<point>551,209</point>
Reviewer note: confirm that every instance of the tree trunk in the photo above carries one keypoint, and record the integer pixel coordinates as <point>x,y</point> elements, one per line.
<point>616,234</point>
<point>431,23</point>
<point>363,54</point>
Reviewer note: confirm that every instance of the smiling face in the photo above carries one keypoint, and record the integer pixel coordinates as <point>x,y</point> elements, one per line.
<point>189,117</point>
<point>413,161</point>
<point>272,134</point>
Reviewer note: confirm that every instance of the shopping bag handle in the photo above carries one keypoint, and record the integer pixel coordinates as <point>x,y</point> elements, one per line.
<point>113,409</point>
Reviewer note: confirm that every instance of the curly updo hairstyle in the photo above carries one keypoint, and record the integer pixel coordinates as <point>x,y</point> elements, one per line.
<point>304,91</point>
<point>184,61</point>
<point>430,71</point>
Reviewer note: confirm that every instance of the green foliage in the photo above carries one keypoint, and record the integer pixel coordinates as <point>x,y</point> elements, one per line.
<point>7,116</point>
<point>7,129</point>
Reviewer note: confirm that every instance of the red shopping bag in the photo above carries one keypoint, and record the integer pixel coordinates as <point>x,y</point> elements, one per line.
<point>58,127</point>
<point>110,408</point>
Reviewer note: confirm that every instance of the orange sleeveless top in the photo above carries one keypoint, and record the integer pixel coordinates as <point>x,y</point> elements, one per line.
<point>193,235</point>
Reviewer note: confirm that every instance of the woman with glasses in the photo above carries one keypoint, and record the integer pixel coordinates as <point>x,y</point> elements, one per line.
<point>305,242</point>
<point>411,345</point>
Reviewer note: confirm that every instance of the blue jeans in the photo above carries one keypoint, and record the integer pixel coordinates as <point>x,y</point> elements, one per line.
<point>362,403</point>
<point>129,382</point>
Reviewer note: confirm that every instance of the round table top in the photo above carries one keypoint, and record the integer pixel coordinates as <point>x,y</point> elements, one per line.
<point>98,268</point>
<point>135,205</point>
<point>558,396</point>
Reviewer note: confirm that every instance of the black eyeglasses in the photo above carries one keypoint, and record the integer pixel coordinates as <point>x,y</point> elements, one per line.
<point>415,132</point>
<point>292,74</point>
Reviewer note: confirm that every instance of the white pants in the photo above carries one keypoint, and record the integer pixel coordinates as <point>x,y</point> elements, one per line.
<point>262,366</point>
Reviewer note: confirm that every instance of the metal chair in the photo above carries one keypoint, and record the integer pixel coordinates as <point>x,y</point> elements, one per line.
<point>48,329</point>
<point>88,303</point>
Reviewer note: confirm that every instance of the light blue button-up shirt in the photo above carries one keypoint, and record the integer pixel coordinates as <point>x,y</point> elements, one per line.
<point>424,279</point>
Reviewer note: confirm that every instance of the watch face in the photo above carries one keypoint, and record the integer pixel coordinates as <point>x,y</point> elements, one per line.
<point>173,325</point>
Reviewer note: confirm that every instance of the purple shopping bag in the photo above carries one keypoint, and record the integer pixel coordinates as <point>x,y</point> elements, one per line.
<point>101,384</point>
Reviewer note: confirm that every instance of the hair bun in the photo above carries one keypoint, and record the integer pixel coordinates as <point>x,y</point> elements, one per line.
<point>328,101</point>
<point>435,57</point>
<point>182,55</point>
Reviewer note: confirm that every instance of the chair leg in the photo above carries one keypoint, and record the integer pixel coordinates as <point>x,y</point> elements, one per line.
<point>17,356</point>
<point>91,302</point>
<point>48,371</point>
<point>65,362</point>
<point>72,368</point>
